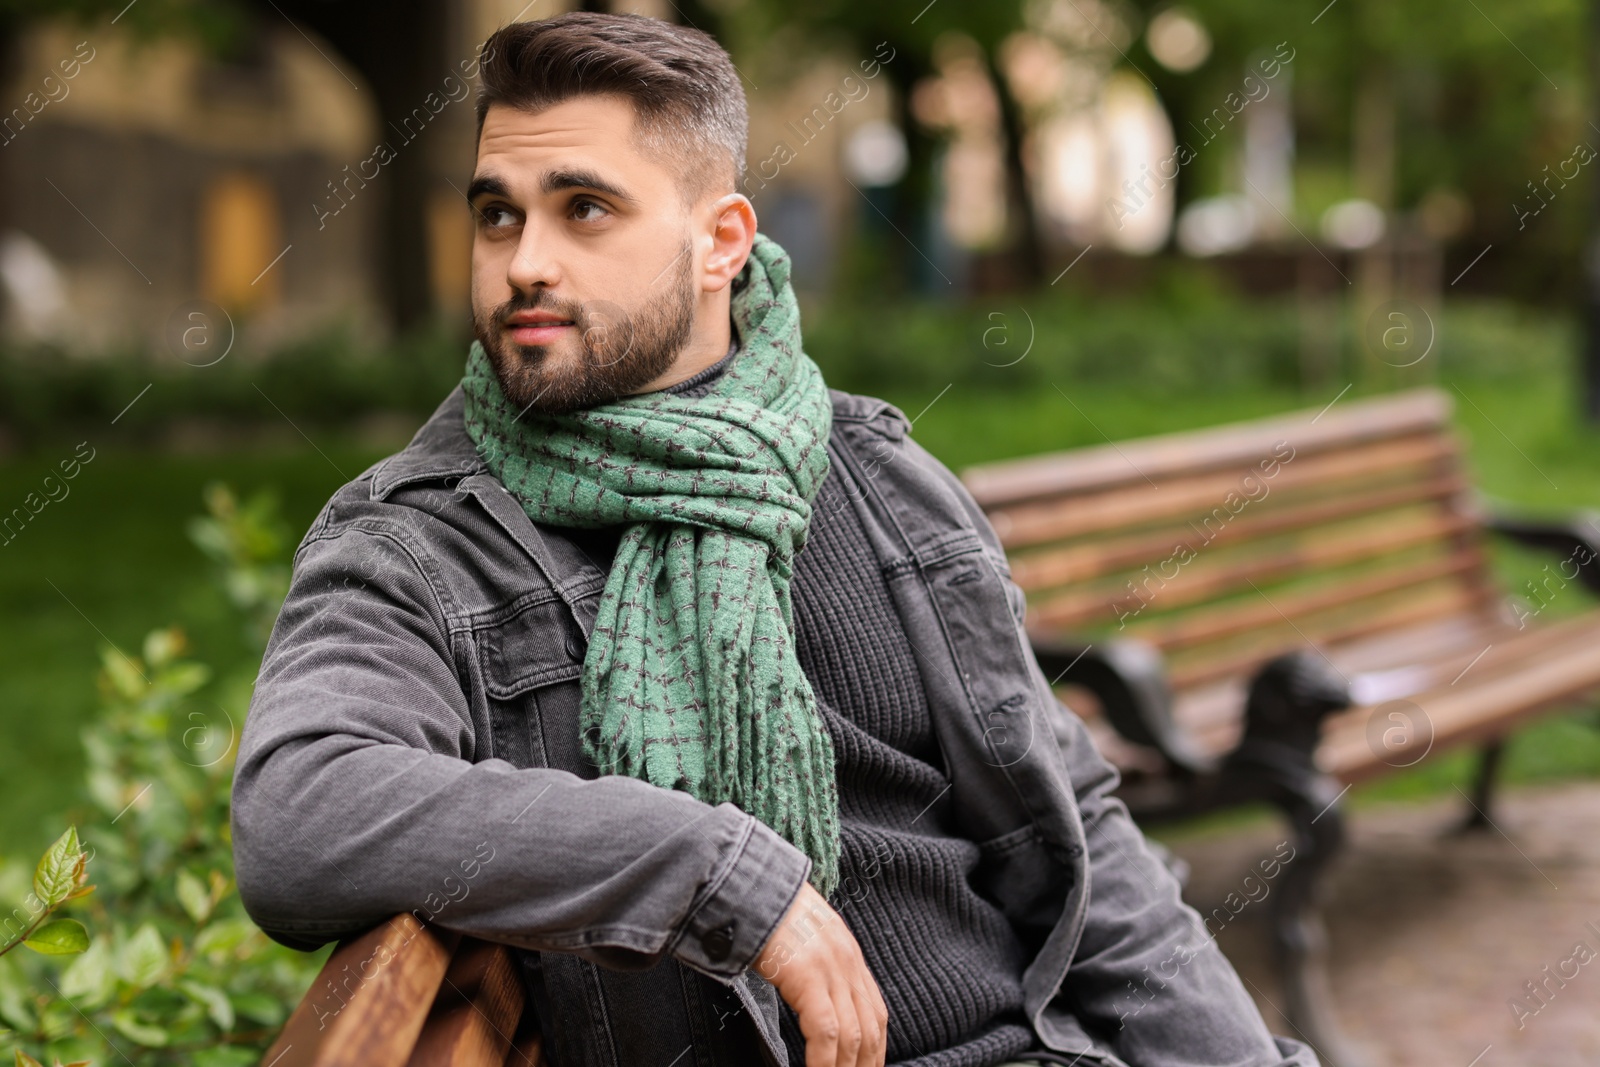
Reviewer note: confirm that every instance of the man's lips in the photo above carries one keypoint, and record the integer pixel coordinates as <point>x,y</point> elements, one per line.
<point>536,328</point>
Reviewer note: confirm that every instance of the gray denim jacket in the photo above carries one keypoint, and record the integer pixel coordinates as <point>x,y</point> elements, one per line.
<point>418,701</point>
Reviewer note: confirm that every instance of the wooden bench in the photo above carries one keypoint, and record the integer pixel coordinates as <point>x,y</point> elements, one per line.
<point>408,995</point>
<point>1343,583</point>
<point>1273,610</point>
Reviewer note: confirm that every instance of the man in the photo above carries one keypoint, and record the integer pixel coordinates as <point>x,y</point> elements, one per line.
<point>699,683</point>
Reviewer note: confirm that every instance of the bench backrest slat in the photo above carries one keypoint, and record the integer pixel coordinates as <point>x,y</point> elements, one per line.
<point>1227,545</point>
<point>1218,448</point>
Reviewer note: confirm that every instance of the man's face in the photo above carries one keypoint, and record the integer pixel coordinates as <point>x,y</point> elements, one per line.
<point>584,273</point>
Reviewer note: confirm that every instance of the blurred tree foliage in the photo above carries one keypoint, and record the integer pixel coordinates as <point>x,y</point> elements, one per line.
<point>1479,97</point>
<point>173,972</point>
<point>781,40</point>
<point>1474,99</point>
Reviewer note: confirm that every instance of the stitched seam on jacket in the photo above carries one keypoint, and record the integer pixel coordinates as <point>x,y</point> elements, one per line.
<point>378,527</point>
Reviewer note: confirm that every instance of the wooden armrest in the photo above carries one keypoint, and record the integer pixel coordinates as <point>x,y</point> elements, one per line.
<point>408,995</point>
<point>1576,538</point>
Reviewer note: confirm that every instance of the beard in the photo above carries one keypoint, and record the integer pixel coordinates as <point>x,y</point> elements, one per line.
<point>619,352</point>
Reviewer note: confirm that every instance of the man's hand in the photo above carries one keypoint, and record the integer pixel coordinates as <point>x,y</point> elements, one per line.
<point>815,964</point>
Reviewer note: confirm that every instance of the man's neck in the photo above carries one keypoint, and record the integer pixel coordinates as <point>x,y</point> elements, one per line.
<point>698,384</point>
<point>706,346</point>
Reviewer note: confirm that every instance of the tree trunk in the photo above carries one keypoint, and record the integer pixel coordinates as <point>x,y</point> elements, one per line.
<point>914,195</point>
<point>400,48</point>
<point>1024,223</point>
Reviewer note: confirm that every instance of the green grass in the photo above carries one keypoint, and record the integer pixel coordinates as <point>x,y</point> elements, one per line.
<point>112,561</point>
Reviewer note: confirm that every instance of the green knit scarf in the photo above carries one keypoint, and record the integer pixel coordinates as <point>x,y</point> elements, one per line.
<point>690,681</point>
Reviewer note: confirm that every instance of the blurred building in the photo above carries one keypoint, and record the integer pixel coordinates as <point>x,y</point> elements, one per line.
<point>139,177</point>
<point>156,176</point>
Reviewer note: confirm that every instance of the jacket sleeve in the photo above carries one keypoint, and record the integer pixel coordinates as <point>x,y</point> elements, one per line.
<point>359,794</point>
<point>1147,981</point>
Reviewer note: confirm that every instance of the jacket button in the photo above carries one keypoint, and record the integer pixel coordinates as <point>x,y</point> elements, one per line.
<point>575,648</point>
<point>718,943</point>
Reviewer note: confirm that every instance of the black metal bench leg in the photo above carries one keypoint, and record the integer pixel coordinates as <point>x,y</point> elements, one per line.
<point>1483,787</point>
<point>1299,938</point>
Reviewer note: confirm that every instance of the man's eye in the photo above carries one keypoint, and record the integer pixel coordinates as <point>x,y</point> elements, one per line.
<point>495,216</point>
<point>587,211</point>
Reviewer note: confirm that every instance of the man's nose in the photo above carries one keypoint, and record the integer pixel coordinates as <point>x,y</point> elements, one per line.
<point>533,265</point>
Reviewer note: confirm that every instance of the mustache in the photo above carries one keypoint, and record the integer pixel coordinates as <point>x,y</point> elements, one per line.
<point>574,310</point>
<point>540,299</point>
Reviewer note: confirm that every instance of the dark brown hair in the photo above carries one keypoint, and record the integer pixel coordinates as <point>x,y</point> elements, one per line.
<point>686,95</point>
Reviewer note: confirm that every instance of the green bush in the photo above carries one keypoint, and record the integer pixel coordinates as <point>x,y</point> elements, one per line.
<point>58,879</point>
<point>1179,341</point>
<point>1208,343</point>
<point>324,379</point>
<point>174,972</point>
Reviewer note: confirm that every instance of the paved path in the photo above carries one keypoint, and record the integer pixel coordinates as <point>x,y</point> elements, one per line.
<point>1433,934</point>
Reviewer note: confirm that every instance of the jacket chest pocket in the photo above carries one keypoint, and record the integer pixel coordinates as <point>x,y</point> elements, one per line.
<point>975,608</point>
<point>530,662</point>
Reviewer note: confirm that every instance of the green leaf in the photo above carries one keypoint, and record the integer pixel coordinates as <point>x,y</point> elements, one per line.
<point>60,937</point>
<point>59,869</point>
<point>124,676</point>
<point>163,646</point>
<point>223,936</point>
<point>143,959</point>
<point>91,980</point>
<point>194,897</point>
<point>136,1029</point>
<point>105,789</point>
<point>183,678</point>
<point>25,1060</point>
<point>215,1000</point>
<point>260,1007</point>
<point>58,1019</point>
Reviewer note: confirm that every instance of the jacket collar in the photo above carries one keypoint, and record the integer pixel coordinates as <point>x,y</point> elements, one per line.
<point>440,449</point>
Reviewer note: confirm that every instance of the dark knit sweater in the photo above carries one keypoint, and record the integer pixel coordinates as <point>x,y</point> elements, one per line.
<point>947,960</point>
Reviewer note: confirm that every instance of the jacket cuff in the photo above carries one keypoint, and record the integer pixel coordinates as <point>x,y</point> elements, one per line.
<point>743,903</point>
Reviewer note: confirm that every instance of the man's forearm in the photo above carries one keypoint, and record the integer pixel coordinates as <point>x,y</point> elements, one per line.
<point>335,835</point>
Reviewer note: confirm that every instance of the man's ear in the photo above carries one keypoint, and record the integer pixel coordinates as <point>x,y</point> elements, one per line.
<point>733,232</point>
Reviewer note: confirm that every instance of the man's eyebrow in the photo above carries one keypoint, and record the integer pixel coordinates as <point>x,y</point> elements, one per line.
<point>556,180</point>
<point>487,185</point>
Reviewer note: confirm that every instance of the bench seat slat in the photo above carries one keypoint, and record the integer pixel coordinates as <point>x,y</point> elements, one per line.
<point>1522,683</point>
<point>475,1016</point>
<point>1434,647</point>
<point>1241,617</point>
<point>1405,607</point>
